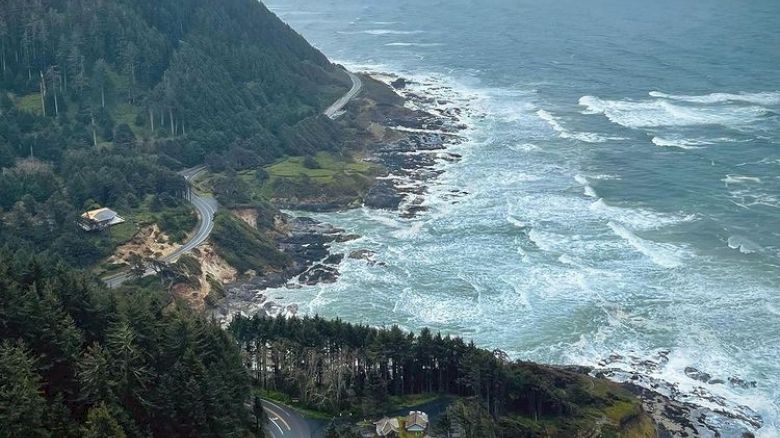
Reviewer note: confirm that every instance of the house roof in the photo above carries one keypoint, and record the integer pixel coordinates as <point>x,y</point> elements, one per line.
<point>417,418</point>
<point>386,425</point>
<point>99,215</point>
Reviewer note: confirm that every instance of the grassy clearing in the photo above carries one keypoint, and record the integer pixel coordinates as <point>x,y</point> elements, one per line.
<point>334,177</point>
<point>329,166</point>
<point>30,103</point>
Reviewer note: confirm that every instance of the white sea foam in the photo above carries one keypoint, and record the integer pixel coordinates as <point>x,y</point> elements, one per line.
<point>665,256</point>
<point>660,112</point>
<point>763,98</point>
<point>525,147</point>
<point>383,32</point>
<point>516,222</point>
<point>414,44</point>
<point>409,232</point>
<point>677,142</point>
<point>587,189</point>
<point>586,137</point>
<point>740,179</point>
<point>743,244</point>
<point>638,218</point>
<point>544,241</point>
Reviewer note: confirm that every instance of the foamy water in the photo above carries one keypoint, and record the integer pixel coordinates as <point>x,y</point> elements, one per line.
<point>618,195</point>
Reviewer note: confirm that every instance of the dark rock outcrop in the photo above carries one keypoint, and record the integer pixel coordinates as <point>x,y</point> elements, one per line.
<point>383,195</point>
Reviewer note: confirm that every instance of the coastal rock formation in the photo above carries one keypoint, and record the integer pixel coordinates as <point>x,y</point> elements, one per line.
<point>383,195</point>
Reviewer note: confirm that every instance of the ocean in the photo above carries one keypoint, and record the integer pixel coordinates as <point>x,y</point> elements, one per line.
<point>617,203</point>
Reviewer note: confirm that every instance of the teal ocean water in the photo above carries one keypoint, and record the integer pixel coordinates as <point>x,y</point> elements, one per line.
<point>623,177</point>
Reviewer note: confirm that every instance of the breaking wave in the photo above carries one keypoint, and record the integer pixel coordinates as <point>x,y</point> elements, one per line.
<point>586,137</point>
<point>660,112</point>
<point>743,244</point>
<point>762,98</point>
<point>665,256</point>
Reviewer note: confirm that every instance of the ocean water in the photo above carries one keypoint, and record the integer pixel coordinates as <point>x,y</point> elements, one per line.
<point>622,172</point>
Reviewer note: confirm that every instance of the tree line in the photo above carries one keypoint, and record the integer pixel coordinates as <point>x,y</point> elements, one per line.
<point>337,367</point>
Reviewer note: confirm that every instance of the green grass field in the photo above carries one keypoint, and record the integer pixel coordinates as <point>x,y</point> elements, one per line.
<point>30,103</point>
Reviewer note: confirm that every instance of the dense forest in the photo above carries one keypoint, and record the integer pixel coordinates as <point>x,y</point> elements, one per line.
<point>101,102</point>
<point>79,360</point>
<point>338,367</point>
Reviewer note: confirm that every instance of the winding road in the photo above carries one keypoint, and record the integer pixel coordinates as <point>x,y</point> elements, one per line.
<point>335,110</point>
<point>284,422</point>
<point>206,206</point>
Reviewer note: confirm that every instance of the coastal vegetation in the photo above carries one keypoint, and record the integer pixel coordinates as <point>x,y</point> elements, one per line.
<point>102,102</point>
<point>337,367</point>
<point>243,246</point>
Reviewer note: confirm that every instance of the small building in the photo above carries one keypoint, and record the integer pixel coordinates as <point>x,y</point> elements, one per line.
<point>387,427</point>
<point>416,421</point>
<point>99,219</point>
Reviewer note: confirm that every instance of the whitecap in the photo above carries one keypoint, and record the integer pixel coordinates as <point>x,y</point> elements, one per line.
<point>382,32</point>
<point>587,189</point>
<point>543,241</point>
<point>743,244</point>
<point>525,147</point>
<point>586,137</point>
<point>676,142</point>
<point>409,232</point>
<point>761,98</point>
<point>414,44</point>
<point>638,218</point>
<point>516,222</point>
<point>740,179</point>
<point>663,255</point>
<point>657,113</point>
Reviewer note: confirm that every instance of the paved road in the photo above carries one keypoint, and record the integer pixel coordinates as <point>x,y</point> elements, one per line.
<point>335,110</point>
<point>284,422</point>
<point>206,206</point>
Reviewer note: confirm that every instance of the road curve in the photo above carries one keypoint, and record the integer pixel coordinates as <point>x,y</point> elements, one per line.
<point>205,207</point>
<point>335,110</point>
<point>284,422</point>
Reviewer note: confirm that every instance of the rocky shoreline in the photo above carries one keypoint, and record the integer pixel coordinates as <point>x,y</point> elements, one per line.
<point>420,131</point>
<point>423,130</point>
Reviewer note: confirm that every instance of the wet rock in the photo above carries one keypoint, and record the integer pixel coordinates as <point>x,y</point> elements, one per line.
<point>399,84</point>
<point>319,274</point>
<point>333,259</point>
<point>383,195</point>
<point>741,383</point>
<point>362,254</point>
<point>347,237</point>
<point>695,374</point>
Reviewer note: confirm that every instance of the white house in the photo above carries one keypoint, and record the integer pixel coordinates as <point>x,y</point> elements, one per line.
<point>99,219</point>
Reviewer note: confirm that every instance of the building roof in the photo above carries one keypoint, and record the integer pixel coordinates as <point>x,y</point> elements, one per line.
<point>417,419</point>
<point>99,215</point>
<point>386,425</point>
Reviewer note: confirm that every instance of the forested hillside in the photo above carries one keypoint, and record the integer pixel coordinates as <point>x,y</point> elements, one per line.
<point>79,360</point>
<point>101,101</point>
